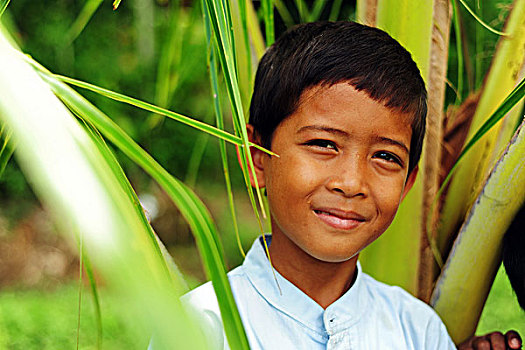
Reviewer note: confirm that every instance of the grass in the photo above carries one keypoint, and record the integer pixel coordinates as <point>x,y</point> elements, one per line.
<point>501,312</point>
<point>47,319</point>
<point>36,319</point>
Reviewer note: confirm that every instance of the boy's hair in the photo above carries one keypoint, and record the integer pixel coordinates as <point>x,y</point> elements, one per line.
<point>327,53</point>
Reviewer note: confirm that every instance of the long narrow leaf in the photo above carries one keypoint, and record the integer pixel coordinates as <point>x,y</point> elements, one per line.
<point>224,157</point>
<point>116,4</point>
<point>215,15</point>
<point>187,202</point>
<point>317,9</point>
<point>6,148</point>
<point>96,300</point>
<point>267,7</point>
<point>459,50</point>
<point>480,21</point>
<point>79,187</point>
<point>85,15</point>
<point>155,109</point>
<point>3,6</point>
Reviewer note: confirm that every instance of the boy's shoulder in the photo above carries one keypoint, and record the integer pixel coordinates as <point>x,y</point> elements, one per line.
<point>398,298</point>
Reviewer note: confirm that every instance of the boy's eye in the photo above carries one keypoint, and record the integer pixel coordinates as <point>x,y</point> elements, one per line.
<point>389,157</point>
<point>322,144</point>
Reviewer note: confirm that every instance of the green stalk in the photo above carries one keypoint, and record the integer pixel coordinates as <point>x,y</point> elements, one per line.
<point>302,8</point>
<point>83,18</point>
<point>285,14</point>
<point>501,79</point>
<point>255,31</point>
<point>393,258</point>
<point>335,10</point>
<point>317,9</point>
<point>267,7</point>
<point>170,56</point>
<point>510,102</point>
<point>459,50</point>
<point>246,39</point>
<point>480,48</point>
<point>465,282</point>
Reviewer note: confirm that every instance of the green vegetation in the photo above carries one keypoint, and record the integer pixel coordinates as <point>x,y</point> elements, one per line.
<point>47,319</point>
<point>161,52</point>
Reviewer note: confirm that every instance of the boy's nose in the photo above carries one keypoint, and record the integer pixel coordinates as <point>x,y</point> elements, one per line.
<point>349,178</point>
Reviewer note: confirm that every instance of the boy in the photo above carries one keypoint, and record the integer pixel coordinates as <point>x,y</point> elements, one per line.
<point>344,106</point>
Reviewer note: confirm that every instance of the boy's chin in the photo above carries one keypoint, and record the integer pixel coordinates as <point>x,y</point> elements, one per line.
<point>332,258</point>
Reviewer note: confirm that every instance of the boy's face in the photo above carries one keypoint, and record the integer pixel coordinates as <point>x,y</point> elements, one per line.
<point>341,174</point>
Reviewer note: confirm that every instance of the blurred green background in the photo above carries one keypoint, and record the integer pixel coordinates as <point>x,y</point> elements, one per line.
<point>123,51</point>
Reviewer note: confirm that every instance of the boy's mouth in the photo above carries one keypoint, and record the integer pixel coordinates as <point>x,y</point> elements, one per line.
<point>343,220</point>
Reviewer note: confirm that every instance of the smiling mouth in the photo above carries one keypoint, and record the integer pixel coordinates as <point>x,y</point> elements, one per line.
<point>339,219</point>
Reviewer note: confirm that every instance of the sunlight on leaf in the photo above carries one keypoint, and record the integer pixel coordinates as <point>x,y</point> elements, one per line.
<point>116,4</point>
<point>3,6</point>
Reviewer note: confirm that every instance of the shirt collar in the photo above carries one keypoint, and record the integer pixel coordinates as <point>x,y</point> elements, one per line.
<point>294,302</point>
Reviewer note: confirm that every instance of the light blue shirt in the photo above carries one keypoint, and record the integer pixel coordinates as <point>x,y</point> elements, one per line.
<point>370,315</point>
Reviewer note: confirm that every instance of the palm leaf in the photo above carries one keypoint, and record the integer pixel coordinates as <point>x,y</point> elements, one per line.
<point>80,188</point>
<point>191,208</point>
<point>466,279</point>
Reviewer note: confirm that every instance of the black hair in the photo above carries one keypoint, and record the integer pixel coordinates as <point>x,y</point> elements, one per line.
<point>327,53</point>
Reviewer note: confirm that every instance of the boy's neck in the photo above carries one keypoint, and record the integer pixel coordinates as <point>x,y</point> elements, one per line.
<point>324,282</point>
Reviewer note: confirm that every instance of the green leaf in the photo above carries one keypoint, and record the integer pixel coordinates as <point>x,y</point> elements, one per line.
<point>467,277</point>
<point>190,206</point>
<point>267,7</point>
<point>214,13</point>
<point>3,6</point>
<point>513,99</point>
<point>6,148</point>
<point>85,15</point>
<point>459,49</point>
<point>78,185</point>
<point>480,21</point>
<point>155,109</point>
<point>116,4</point>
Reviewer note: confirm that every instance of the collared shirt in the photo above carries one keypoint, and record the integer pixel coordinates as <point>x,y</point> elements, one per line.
<point>370,315</point>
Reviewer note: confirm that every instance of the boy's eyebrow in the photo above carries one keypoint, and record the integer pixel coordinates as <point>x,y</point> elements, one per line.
<point>393,142</point>
<point>322,128</point>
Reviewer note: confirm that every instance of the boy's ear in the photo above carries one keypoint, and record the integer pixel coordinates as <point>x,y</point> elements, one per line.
<point>257,157</point>
<point>410,181</point>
